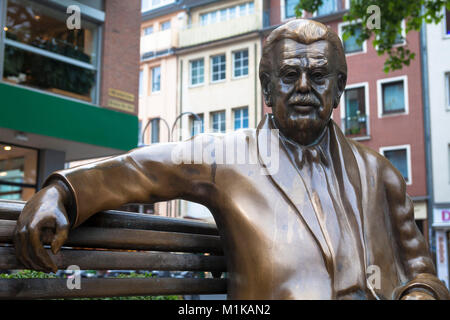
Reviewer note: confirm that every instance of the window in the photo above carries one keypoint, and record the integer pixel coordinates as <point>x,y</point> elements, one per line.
<point>242,9</point>
<point>447,84</point>
<point>165,25</point>
<point>148,30</point>
<point>197,72</point>
<point>156,79</point>
<point>141,82</point>
<point>232,13</point>
<point>240,118</point>
<point>227,13</point>
<point>240,63</point>
<point>393,95</point>
<point>155,131</point>
<point>223,14</point>
<point>18,167</point>
<point>289,7</point>
<point>355,121</point>
<point>400,158</point>
<point>196,125</point>
<point>218,121</point>
<point>350,45</point>
<point>327,7</point>
<point>400,38</point>
<point>37,39</point>
<point>218,68</point>
<point>153,4</point>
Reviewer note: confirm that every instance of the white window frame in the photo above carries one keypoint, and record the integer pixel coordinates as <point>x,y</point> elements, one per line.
<point>237,13</point>
<point>190,73</point>
<point>163,22</point>
<point>211,68</point>
<point>447,89</point>
<point>242,118</point>
<point>408,158</point>
<point>341,32</point>
<point>224,120</point>
<point>233,67</point>
<point>141,83</point>
<point>380,96</point>
<point>403,26</point>
<point>283,12</point>
<point>160,84</point>
<point>148,27</point>
<point>366,101</point>
<point>314,14</point>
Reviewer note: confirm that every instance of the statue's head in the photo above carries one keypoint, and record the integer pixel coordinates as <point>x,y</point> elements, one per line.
<point>303,73</point>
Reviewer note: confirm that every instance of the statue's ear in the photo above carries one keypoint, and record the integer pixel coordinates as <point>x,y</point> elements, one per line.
<point>341,82</point>
<point>266,85</point>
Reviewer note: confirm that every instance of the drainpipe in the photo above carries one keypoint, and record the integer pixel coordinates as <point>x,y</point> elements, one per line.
<point>256,84</point>
<point>427,129</point>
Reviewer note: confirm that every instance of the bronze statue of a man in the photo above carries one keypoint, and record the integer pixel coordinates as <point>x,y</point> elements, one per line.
<point>317,226</point>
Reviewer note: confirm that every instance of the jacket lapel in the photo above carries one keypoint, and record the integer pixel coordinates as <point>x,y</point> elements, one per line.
<point>290,183</point>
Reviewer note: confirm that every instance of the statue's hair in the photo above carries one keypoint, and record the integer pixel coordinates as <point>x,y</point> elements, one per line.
<point>306,32</point>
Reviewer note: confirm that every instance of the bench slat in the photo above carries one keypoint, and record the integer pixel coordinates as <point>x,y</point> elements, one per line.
<point>107,287</point>
<point>122,260</point>
<point>10,210</point>
<point>115,238</point>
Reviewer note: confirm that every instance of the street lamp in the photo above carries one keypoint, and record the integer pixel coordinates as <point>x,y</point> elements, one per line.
<point>148,123</point>
<point>197,118</point>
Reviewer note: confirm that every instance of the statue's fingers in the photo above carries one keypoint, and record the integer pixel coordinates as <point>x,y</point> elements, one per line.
<point>18,249</point>
<point>24,250</point>
<point>61,233</point>
<point>38,253</point>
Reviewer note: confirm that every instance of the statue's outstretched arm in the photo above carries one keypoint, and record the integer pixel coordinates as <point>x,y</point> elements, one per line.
<point>71,196</point>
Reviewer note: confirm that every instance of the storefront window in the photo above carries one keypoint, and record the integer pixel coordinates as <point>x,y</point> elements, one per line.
<point>18,172</point>
<point>42,52</point>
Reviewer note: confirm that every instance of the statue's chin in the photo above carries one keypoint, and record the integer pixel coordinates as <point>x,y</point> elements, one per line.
<point>303,131</point>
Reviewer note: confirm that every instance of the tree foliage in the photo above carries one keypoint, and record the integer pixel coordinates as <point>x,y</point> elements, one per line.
<point>392,14</point>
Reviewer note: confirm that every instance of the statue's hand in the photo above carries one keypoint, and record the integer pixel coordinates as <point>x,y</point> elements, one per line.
<point>43,220</point>
<point>418,295</point>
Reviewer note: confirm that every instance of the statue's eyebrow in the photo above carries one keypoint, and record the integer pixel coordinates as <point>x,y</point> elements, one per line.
<point>311,61</point>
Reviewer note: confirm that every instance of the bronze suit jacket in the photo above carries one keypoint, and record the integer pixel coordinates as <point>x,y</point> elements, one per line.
<point>273,240</point>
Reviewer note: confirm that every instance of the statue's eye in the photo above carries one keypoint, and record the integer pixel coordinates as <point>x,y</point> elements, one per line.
<point>318,76</point>
<point>290,76</point>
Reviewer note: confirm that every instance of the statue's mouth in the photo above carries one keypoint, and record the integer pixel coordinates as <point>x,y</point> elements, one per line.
<point>302,108</point>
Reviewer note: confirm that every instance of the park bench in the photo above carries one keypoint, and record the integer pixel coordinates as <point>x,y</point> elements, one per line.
<point>117,240</point>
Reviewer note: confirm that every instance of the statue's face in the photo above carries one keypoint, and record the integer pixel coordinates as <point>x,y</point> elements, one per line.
<point>304,88</point>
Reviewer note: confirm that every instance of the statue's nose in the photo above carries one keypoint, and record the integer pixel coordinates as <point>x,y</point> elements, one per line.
<point>302,84</point>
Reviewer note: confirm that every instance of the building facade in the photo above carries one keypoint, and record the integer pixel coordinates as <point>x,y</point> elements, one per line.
<point>437,51</point>
<point>382,111</point>
<point>68,86</point>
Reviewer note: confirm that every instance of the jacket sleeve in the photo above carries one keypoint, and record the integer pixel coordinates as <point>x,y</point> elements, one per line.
<point>150,174</point>
<point>411,245</point>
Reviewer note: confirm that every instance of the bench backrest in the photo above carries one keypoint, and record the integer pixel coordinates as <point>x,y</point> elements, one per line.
<point>116,240</point>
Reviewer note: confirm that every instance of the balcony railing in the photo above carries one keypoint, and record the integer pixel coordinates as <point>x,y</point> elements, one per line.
<point>197,33</point>
<point>356,126</point>
<point>157,41</point>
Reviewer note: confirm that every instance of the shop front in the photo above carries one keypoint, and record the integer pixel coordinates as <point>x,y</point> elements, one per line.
<point>441,224</point>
